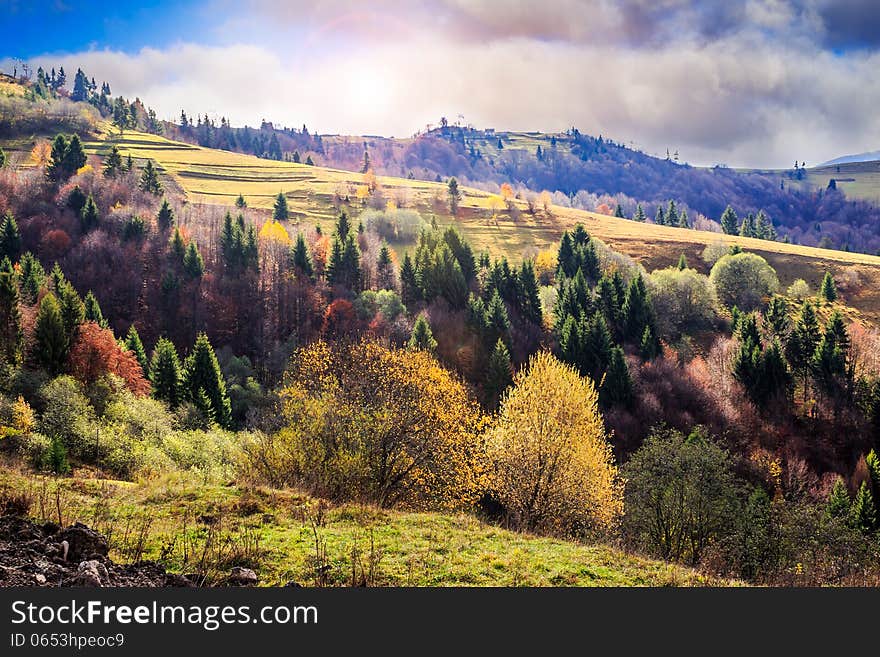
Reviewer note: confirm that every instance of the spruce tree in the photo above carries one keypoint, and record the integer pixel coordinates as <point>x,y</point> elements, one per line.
<point>499,374</point>
<point>639,214</point>
<point>409,284</point>
<point>11,332</point>
<point>300,257</point>
<point>529,297</point>
<point>55,170</point>
<point>135,346</point>
<point>422,338</point>
<point>608,303</point>
<point>149,181</point>
<point>240,203</point>
<point>50,339</point>
<point>660,217</point>
<point>177,246</point>
<point>74,157</point>
<point>618,212</point>
<point>73,310</point>
<point>683,219</point>
<point>93,310</point>
<point>32,277</point>
<point>10,238</point>
<point>595,347</point>
<point>802,342</point>
<point>649,345</point>
<point>88,216</point>
<point>454,196</point>
<point>113,165</point>
<point>839,502</point>
<point>202,372</point>
<point>280,212</point>
<point>637,311</point>
<point>672,214</point>
<point>166,374</point>
<point>829,288</point>
<point>729,221</point>
<point>498,323</point>
<point>384,269</point>
<point>3,158</point>
<point>165,217</point>
<point>617,387</point>
<point>56,456</point>
<point>566,261</point>
<point>193,265</point>
<point>682,262</point>
<point>862,513</point>
<point>76,200</point>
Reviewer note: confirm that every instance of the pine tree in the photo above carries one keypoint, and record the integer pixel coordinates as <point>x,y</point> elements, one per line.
<point>177,246</point>
<point>10,238</point>
<point>88,216</point>
<point>637,311</point>
<point>93,310</point>
<point>165,217</point>
<point>300,257</point>
<point>409,284</point>
<point>639,214</point>
<point>617,387</point>
<point>240,203</point>
<point>166,374</point>
<point>829,288</point>
<point>566,260</point>
<point>671,214</point>
<point>682,262</point>
<point>202,372</point>
<point>660,217</point>
<point>113,163</point>
<point>280,212</point>
<point>193,265</point>
<point>11,332</point>
<point>56,457</point>
<point>683,219</point>
<point>135,346</point>
<point>149,181</point>
<point>802,342</point>
<point>73,310</point>
<point>729,221</point>
<point>51,341</point>
<point>384,269</point>
<point>863,514</point>
<point>608,303</point>
<point>529,297</point>
<point>595,347</point>
<point>618,212</point>
<point>454,196</point>
<point>649,345</point>
<point>422,338</point>
<point>838,503</point>
<point>499,374</point>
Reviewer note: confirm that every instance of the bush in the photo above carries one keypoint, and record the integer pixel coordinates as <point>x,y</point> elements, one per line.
<point>744,280</point>
<point>394,224</point>
<point>67,415</point>
<point>554,471</point>
<point>386,302</point>
<point>684,301</point>
<point>799,290</point>
<point>681,495</point>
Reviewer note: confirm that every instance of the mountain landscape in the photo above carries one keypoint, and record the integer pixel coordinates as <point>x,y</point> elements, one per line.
<point>471,356</point>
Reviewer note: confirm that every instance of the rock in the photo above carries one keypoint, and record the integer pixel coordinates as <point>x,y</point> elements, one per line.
<point>242,577</point>
<point>40,579</point>
<point>91,573</point>
<point>83,542</point>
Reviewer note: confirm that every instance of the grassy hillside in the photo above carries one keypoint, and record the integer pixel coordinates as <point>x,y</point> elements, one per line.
<point>218,177</point>
<point>859,180</point>
<point>193,527</point>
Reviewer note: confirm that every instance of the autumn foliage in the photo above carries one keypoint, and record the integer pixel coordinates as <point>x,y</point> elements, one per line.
<point>95,353</point>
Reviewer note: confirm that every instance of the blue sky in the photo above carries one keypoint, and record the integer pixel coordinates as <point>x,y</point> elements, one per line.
<point>741,82</point>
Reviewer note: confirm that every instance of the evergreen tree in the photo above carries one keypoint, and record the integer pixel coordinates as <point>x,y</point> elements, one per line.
<point>729,221</point>
<point>748,228</point>
<point>113,165</point>
<point>88,216</point>
<point>683,219</point>
<point>300,257</point>
<point>595,347</point>
<point>3,158</point>
<point>280,212</point>
<point>776,316</point>
<point>177,245</point>
<point>193,265</point>
<point>10,238</point>
<point>93,310</point>
<point>73,310</point>
<point>165,217</point>
<point>764,227</point>
<point>637,311</point>
<point>135,346</point>
<point>56,457</point>
<point>422,338</point>
<point>454,196</point>
<point>608,303</point>
<point>682,262</point>
<point>498,323</point>
<point>309,161</point>
<point>166,374</point>
<point>617,387</point>
<point>862,513</point>
<point>529,297</point>
<point>74,156</point>
<point>240,203</point>
<point>149,181</point>
<point>409,284</point>
<point>11,332</point>
<point>567,264</point>
<point>618,212</point>
<point>32,277</point>
<point>671,214</point>
<point>660,217</point>
<point>384,268</point>
<point>50,339</point>
<point>66,158</point>
<point>649,345</point>
<point>499,374</point>
<point>829,288</point>
<point>639,214</point>
<point>802,342</point>
<point>202,372</point>
<point>839,502</point>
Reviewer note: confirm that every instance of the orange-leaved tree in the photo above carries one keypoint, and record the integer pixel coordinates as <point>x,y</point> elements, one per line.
<point>554,470</point>
<point>95,353</point>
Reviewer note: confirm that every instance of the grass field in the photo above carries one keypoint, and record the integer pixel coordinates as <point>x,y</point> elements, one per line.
<point>218,177</point>
<point>288,537</point>
<point>855,179</point>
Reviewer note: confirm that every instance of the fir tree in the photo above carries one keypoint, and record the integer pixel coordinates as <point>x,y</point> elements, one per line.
<point>639,214</point>
<point>409,285</point>
<point>73,310</point>
<point>11,332</point>
<point>113,163</point>
<point>300,257</point>
<point>618,212</point>
<point>177,246</point>
<point>202,372</point>
<point>683,219</point>
<point>10,238</point>
<point>93,310</point>
<point>608,303</point>
<point>529,297</point>
<point>499,374</point>
<point>280,212</point>
<point>88,216</point>
<point>862,513</point>
<point>829,288</point>
<point>682,262</point>
<point>50,339</point>
<point>595,347</point>
<point>193,265</point>
<point>671,214</point>
<point>149,181</point>
<point>839,502</point>
<point>454,196</point>
<point>637,311</point>
<point>166,374</point>
<point>748,229</point>
<point>165,217</point>
<point>422,338</point>
<point>384,268</point>
<point>802,343</point>
<point>136,347</point>
<point>56,456</point>
<point>617,386</point>
<point>649,345</point>
<point>498,323</point>
<point>776,316</point>
<point>729,221</point>
<point>660,217</point>
<point>240,203</point>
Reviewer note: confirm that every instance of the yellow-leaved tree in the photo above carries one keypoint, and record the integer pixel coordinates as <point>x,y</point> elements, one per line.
<point>369,423</point>
<point>554,470</point>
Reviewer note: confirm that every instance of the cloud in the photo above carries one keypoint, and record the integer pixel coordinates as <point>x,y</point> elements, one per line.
<point>707,79</point>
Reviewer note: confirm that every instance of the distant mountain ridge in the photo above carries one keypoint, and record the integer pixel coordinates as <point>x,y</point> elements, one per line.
<point>848,159</point>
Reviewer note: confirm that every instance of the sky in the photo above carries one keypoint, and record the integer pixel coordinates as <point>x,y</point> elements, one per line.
<point>752,83</point>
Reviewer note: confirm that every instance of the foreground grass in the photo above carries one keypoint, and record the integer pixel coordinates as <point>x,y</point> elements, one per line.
<point>207,528</point>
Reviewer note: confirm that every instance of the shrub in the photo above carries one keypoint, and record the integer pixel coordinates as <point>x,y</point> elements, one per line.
<point>799,290</point>
<point>394,224</point>
<point>554,471</point>
<point>684,301</point>
<point>67,414</point>
<point>744,280</point>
